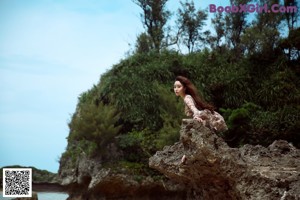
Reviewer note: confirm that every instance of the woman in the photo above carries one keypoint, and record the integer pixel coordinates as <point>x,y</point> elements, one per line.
<point>195,106</point>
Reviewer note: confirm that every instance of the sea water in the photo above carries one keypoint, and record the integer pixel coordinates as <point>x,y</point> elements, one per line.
<point>43,196</point>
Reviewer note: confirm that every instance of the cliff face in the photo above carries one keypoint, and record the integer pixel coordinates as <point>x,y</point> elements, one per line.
<point>215,171</point>
<point>92,179</point>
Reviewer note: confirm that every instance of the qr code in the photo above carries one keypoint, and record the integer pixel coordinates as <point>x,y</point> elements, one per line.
<point>17,182</point>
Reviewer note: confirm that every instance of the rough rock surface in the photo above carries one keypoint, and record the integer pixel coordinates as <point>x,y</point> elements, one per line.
<point>215,171</point>
<point>91,180</point>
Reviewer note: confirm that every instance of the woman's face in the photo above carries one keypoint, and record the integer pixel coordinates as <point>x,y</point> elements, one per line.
<point>179,89</point>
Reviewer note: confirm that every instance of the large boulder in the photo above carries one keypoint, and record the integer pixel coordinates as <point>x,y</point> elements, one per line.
<point>215,171</point>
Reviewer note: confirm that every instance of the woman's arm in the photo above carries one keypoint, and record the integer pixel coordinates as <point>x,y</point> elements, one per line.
<point>189,101</point>
<point>199,115</point>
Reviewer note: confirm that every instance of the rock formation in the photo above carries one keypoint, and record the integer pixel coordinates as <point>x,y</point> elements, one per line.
<point>91,179</point>
<point>215,171</point>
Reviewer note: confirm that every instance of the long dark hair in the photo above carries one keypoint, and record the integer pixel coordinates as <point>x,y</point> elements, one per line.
<point>192,90</point>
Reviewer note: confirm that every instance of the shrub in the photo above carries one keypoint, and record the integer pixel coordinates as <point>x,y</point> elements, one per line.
<point>238,121</point>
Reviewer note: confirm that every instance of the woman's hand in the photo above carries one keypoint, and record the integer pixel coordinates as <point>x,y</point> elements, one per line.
<point>199,119</point>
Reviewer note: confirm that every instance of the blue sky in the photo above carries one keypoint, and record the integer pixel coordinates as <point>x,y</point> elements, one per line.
<point>51,51</point>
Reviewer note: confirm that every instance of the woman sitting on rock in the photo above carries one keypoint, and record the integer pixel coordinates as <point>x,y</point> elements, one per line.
<point>195,106</point>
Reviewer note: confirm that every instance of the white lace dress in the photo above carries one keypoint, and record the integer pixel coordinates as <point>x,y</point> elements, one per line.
<point>212,120</point>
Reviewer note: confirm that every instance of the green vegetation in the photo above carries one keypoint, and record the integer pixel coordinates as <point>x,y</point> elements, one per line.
<point>247,70</point>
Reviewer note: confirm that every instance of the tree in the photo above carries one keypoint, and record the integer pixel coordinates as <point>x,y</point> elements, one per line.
<point>94,125</point>
<point>291,45</point>
<point>190,23</point>
<point>235,25</point>
<point>291,17</point>
<point>263,36</point>
<point>154,18</point>
<point>218,24</point>
<point>143,43</point>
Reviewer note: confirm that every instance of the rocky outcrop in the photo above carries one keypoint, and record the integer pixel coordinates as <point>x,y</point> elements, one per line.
<point>47,187</point>
<point>215,171</point>
<point>91,179</point>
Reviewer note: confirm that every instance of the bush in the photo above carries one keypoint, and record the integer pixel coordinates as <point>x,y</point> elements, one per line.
<point>280,124</point>
<point>130,144</point>
<point>252,125</point>
<point>281,89</point>
<point>238,121</point>
<point>93,127</point>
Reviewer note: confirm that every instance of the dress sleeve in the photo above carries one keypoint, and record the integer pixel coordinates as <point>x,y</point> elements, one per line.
<point>189,101</point>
